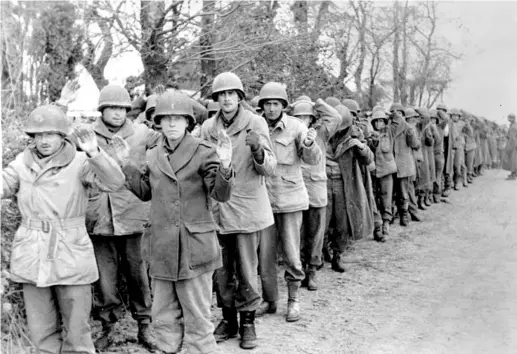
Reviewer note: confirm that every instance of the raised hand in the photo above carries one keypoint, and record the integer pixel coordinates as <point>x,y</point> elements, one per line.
<point>356,142</point>
<point>121,149</point>
<point>253,140</point>
<point>311,136</point>
<point>69,92</point>
<point>224,149</point>
<point>87,140</point>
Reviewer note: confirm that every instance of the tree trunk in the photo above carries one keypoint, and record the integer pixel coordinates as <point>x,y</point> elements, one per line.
<point>208,64</point>
<point>152,50</point>
<point>396,45</point>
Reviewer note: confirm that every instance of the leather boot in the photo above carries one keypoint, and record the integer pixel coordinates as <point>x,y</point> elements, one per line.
<point>247,330</point>
<point>145,338</point>
<point>312,284</point>
<point>293,303</point>
<point>385,229</point>
<point>266,308</point>
<point>446,192</point>
<point>420,203</point>
<point>456,186</point>
<point>228,327</point>
<point>436,198</point>
<point>404,219</point>
<point>377,234</point>
<point>427,201</point>
<point>336,263</point>
<point>469,178</point>
<point>104,341</point>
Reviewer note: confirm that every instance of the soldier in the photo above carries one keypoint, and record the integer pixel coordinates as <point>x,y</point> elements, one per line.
<point>294,143</point>
<point>381,144</point>
<point>117,221</point>
<point>510,157</point>
<point>419,180</point>
<point>458,145</point>
<point>184,247</point>
<point>325,120</point>
<point>246,214</point>
<point>429,133</point>
<point>470,147</point>
<point>52,255</point>
<point>405,140</point>
<point>349,204</point>
<point>439,160</point>
<point>448,152</point>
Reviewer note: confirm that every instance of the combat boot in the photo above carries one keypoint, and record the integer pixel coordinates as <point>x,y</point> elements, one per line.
<point>247,330</point>
<point>377,234</point>
<point>312,284</point>
<point>228,327</point>
<point>385,229</point>
<point>427,201</point>
<point>266,308</point>
<point>469,178</point>
<point>145,339</point>
<point>336,263</point>
<point>404,219</point>
<point>456,186</point>
<point>446,192</point>
<point>436,198</point>
<point>104,341</point>
<point>420,203</point>
<point>293,303</point>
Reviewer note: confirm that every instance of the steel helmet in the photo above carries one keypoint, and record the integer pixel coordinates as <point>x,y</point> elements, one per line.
<point>273,91</point>
<point>332,101</point>
<point>379,114</point>
<point>397,107</point>
<point>352,105</point>
<point>410,113</point>
<point>346,116</point>
<point>46,119</point>
<point>172,103</point>
<point>212,106</point>
<point>254,102</point>
<point>115,96</point>
<point>227,81</point>
<point>434,114</point>
<point>442,107</point>
<point>303,98</point>
<point>150,105</point>
<point>455,112</point>
<point>303,108</point>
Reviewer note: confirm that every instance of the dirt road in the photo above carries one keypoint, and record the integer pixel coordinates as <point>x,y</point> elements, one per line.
<point>445,285</point>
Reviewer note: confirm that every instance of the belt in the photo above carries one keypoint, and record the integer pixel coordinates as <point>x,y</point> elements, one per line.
<point>50,227</point>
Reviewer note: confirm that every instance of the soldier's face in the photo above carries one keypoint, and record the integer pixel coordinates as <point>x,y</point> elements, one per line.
<point>114,116</point>
<point>379,124</point>
<point>273,109</point>
<point>48,143</point>
<point>228,101</point>
<point>306,119</point>
<point>173,126</point>
<point>455,117</point>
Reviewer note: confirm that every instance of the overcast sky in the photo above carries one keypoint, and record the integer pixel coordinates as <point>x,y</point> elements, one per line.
<point>485,80</point>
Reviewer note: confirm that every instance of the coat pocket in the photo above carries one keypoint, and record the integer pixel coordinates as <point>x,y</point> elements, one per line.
<point>202,243</point>
<point>285,149</point>
<point>384,144</point>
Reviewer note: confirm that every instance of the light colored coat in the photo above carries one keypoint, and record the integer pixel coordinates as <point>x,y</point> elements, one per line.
<point>248,210</point>
<point>51,246</point>
<point>286,189</point>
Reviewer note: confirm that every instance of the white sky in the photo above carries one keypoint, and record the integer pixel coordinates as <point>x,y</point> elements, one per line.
<point>485,79</point>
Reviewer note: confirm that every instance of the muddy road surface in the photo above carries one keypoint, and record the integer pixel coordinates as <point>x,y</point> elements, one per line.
<point>445,285</point>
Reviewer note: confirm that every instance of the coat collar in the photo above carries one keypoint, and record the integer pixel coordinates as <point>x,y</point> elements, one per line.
<point>171,163</point>
<point>242,120</point>
<point>126,130</point>
<point>63,158</point>
<point>342,146</point>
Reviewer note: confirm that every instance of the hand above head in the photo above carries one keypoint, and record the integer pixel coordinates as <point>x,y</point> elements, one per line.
<point>224,149</point>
